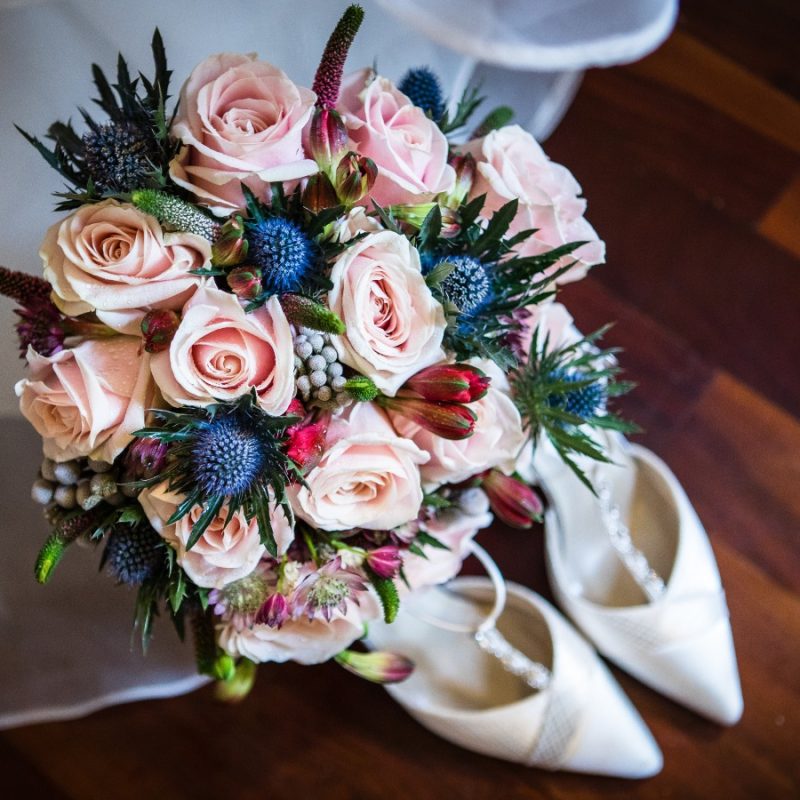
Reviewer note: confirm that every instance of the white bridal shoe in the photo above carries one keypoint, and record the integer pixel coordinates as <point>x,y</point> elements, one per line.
<point>517,683</point>
<point>634,569</point>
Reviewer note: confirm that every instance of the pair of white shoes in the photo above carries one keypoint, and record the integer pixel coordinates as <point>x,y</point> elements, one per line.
<point>501,672</point>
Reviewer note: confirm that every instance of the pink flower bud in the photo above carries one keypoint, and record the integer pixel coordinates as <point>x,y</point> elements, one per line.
<point>355,177</point>
<point>158,328</point>
<point>384,561</point>
<point>327,137</point>
<point>274,612</point>
<point>377,667</point>
<point>145,459</point>
<point>296,409</point>
<point>512,500</point>
<point>231,246</point>
<point>448,420</point>
<point>306,444</point>
<point>464,165</point>
<point>450,383</point>
<point>245,282</point>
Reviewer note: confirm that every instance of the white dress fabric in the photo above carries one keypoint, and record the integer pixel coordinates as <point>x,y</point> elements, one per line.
<point>66,647</point>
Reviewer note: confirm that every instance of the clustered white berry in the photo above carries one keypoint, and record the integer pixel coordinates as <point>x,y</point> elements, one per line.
<point>320,374</point>
<point>78,483</point>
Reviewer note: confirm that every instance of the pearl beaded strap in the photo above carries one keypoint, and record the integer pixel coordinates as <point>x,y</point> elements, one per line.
<point>619,535</point>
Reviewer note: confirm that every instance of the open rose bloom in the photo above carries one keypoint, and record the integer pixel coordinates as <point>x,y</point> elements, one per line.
<point>282,351</point>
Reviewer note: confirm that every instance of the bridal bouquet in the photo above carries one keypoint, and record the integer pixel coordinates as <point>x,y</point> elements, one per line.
<point>292,347</point>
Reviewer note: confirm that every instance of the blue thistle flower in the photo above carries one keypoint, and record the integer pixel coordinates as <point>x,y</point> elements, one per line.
<point>282,251</point>
<point>227,456</point>
<point>468,286</point>
<point>584,402</point>
<point>133,554</point>
<point>422,87</point>
<point>118,156</point>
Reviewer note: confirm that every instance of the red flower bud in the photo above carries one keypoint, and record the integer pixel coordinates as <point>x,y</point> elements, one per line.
<point>327,137</point>
<point>450,383</point>
<point>319,193</point>
<point>296,409</point>
<point>355,176</point>
<point>512,500</point>
<point>464,165</point>
<point>385,561</point>
<point>377,667</point>
<point>245,282</point>
<point>306,444</point>
<point>448,420</point>
<point>274,612</point>
<point>145,459</point>
<point>158,328</point>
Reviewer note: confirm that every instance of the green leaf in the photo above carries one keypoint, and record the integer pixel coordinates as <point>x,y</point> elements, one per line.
<point>431,228</point>
<point>439,273</point>
<point>177,591</point>
<point>423,537</point>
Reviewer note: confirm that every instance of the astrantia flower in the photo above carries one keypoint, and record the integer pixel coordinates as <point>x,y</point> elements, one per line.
<point>228,456</point>
<point>469,285</point>
<point>241,600</point>
<point>585,401</point>
<point>327,590</point>
<point>282,251</point>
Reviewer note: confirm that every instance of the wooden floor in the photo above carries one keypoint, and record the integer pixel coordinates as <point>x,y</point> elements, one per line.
<point>690,163</point>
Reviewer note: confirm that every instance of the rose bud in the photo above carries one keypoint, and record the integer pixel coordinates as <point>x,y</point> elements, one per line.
<point>450,383</point>
<point>384,561</point>
<point>306,445</point>
<point>231,246</point>
<point>158,328</point>
<point>327,137</point>
<point>245,282</point>
<point>355,176</point>
<point>377,667</point>
<point>512,500</point>
<point>319,193</point>
<point>274,612</point>
<point>448,420</point>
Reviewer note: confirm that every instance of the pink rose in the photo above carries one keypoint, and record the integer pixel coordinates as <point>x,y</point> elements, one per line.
<point>497,440</point>
<point>407,146</point>
<point>454,527</point>
<point>394,324</point>
<point>87,400</point>
<point>116,260</point>
<point>220,353</point>
<point>228,550</point>
<point>368,477</point>
<point>300,640</point>
<point>551,322</point>
<point>241,121</point>
<point>511,164</point>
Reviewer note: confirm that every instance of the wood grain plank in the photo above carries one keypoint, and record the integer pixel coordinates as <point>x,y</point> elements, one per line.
<point>686,64</point>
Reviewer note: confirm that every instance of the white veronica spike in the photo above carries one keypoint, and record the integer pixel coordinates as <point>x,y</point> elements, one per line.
<point>580,721</point>
<point>653,604</point>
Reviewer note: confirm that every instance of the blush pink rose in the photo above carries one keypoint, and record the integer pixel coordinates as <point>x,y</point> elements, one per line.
<point>228,550</point>
<point>87,400</point>
<point>496,442</point>
<point>454,527</point>
<point>367,478</point>
<point>240,120</point>
<point>114,259</point>
<point>511,164</point>
<point>394,324</point>
<point>219,352</point>
<point>552,323</point>
<point>300,640</point>
<point>407,146</point>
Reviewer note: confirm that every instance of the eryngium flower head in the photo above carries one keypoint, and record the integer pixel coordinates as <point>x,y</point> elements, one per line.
<point>227,456</point>
<point>133,553</point>
<point>423,88</point>
<point>118,155</point>
<point>584,401</point>
<point>327,590</point>
<point>468,286</point>
<point>282,251</point>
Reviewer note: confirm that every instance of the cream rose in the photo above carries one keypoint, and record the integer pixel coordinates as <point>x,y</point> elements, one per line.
<point>87,400</point>
<point>407,146</point>
<point>496,442</point>
<point>240,121</point>
<point>394,324</point>
<point>300,640</point>
<point>114,259</point>
<point>220,353</point>
<point>368,478</point>
<point>511,164</point>
<point>227,551</point>
<point>454,527</point>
